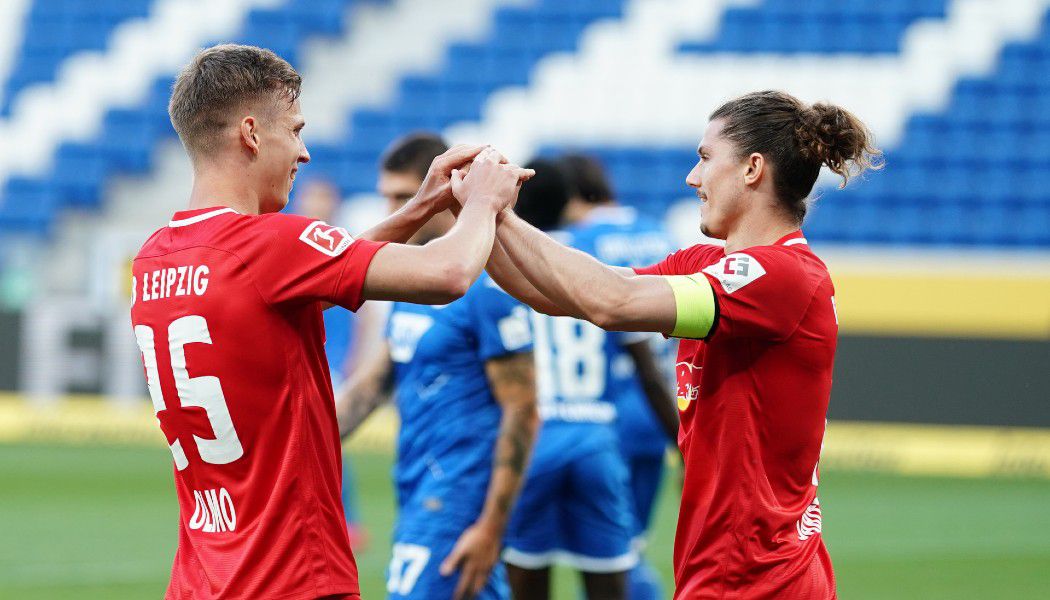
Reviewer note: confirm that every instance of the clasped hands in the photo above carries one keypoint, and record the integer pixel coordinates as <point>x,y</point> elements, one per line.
<point>471,174</point>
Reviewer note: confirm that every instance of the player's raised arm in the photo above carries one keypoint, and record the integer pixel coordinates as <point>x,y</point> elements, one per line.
<point>505,273</point>
<point>443,269</point>
<point>612,298</point>
<point>434,196</point>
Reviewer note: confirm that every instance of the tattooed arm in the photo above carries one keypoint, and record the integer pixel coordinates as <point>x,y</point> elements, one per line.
<point>513,382</point>
<point>366,388</point>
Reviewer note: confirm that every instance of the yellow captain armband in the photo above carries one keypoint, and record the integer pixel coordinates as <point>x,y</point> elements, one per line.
<point>695,305</point>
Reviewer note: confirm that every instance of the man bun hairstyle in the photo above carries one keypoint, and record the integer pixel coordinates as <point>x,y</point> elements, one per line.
<point>797,139</point>
<point>221,79</point>
<point>413,153</point>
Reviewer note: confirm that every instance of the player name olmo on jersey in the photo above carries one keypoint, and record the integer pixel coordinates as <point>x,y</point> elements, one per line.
<point>188,280</point>
<point>214,512</point>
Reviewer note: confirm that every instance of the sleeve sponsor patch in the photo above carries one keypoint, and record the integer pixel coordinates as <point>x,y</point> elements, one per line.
<point>736,271</point>
<point>326,239</point>
<point>514,329</point>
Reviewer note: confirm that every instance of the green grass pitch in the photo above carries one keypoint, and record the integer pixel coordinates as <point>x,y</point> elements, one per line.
<point>95,522</point>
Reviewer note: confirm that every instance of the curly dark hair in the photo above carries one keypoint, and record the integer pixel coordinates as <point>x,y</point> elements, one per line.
<point>797,139</point>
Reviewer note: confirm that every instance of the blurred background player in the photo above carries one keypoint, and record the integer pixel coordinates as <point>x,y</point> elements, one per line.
<point>465,390</point>
<point>575,508</point>
<point>346,334</point>
<point>646,416</point>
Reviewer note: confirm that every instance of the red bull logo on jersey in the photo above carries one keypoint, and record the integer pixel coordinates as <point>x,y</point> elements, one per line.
<point>687,392</point>
<point>736,271</point>
<point>214,512</point>
<point>326,238</point>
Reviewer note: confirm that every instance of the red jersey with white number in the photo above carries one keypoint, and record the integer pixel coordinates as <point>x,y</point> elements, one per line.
<point>753,399</point>
<point>227,312</point>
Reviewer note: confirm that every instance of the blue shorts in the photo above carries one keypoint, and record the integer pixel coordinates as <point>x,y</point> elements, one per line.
<point>418,551</point>
<point>574,510</point>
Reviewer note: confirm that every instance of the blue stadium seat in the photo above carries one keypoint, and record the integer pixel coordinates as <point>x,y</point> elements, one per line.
<point>57,29</point>
<point>784,26</point>
<point>127,136</point>
<point>975,173</point>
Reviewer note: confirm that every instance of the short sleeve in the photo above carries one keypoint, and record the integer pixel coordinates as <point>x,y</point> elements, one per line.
<point>502,324</point>
<point>761,292</point>
<point>303,260</point>
<point>679,262</point>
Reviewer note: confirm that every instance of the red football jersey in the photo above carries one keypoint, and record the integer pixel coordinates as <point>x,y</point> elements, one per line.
<point>227,312</point>
<point>753,399</point>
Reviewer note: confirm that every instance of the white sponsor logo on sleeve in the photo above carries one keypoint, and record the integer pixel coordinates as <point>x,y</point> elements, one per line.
<point>514,329</point>
<point>735,271</point>
<point>406,329</point>
<point>326,239</point>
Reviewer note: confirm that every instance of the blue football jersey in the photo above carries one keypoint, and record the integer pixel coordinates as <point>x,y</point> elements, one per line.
<point>449,417</point>
<point>338,332</point>
<point>619,236</point>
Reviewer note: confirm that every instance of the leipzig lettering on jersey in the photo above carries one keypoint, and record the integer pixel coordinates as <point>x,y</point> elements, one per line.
<point>184,280</point>
<point>756,533</point>
<point>227,314</point>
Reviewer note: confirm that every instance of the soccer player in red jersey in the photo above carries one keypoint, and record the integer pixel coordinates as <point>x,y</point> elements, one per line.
<point>758,323</point>
<point>227,307</point>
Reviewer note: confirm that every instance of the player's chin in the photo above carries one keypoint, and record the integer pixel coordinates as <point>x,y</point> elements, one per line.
<point>709,227</point>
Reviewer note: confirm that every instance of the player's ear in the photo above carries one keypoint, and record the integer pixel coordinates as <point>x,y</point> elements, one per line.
<point>250,134</point>
<point>754,168</point>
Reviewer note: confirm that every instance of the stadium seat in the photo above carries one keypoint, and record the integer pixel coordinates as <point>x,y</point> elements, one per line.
<point>57,29</point>
<point>984,153</point>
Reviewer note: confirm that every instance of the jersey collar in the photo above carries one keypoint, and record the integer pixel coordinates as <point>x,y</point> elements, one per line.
<point>792,239</point>
<point>189,217</point>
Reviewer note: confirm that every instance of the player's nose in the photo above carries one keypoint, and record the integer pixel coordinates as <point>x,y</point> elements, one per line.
<point>693,179</point>
<point>304,154</point>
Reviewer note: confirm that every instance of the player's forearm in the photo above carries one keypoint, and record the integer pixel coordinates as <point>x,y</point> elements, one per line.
<point>573,280</point>
<point>355,405</point>
<point>506,275</point>
<point>401,225</point>
<point>661,401</point>
<point>461,254</point>
<point>518,428</point>
<point>654,386</point>
<point>512,380</point>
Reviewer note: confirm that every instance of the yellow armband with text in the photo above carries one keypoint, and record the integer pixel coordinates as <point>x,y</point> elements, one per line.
<point>695,305</point>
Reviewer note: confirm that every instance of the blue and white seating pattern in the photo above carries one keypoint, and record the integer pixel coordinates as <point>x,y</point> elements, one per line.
<point>975,172</point>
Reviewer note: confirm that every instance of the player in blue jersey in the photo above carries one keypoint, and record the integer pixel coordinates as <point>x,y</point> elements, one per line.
<point>647,418</point>
<point>575,508</point>
<point>464,385</point>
